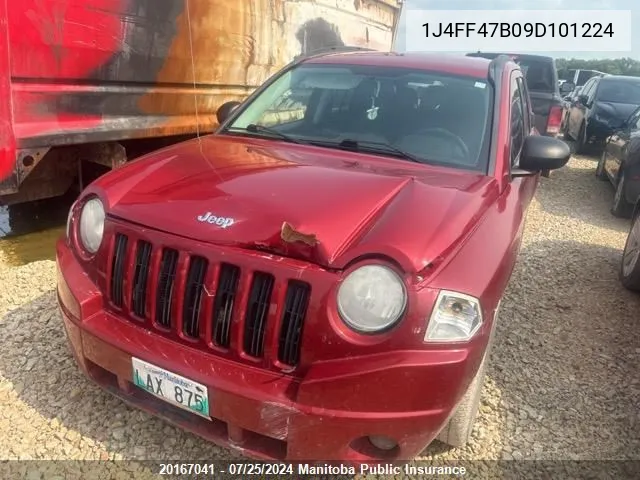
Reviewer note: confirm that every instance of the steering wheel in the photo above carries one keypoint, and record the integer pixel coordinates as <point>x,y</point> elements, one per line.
<point>465,156</point>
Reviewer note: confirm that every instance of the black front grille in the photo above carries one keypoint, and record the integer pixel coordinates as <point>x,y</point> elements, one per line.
<point>194,288</point>
<point>148,281</point>
<point>257,310</point>
<point>117,270</point>
<point>166,280</point>
<point>295,309</point>
<point>140,277</point>
<point>223,306</point>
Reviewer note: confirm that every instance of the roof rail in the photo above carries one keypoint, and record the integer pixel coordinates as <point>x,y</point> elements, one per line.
<point>496,66</point>
<point>334,49</point>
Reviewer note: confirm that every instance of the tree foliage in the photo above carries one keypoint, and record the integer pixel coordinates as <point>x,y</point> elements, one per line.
<point>613,66</point>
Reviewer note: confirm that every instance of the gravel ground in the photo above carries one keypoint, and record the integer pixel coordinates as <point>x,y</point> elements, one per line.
<point>562,384</point>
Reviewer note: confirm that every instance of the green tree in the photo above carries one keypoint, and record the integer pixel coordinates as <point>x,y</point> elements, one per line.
<point>613,66</point>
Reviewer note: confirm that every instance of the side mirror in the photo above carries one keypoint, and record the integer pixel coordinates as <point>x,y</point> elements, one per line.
<point>566,88</point>
<point>584,100</point>
<point>542,153</point>
<point>225,110</point>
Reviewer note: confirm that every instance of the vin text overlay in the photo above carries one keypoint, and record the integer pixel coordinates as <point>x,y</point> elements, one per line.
<point>518,30</point>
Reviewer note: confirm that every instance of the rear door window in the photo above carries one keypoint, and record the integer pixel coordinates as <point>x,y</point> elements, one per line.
<point>538,74</point>
<point>588,88</point>
<point>619,92</point>
<point>585,75</point>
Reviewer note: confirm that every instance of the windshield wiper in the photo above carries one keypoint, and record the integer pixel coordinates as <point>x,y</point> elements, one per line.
<point>255,128</point>
<point>377,147</point>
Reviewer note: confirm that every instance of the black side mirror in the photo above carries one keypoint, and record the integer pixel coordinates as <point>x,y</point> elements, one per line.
<point>584,100</point>
<point>566,88</point>
<point>225,110</point>
<point>542,153</point>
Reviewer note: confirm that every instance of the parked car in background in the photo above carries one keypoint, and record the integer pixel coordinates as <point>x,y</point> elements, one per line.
<point>266,286</point>
<point>580,77</point>
<point>629,272</point>
<point>620,164</point>
<point>567,101</point>
<point>601,108</point>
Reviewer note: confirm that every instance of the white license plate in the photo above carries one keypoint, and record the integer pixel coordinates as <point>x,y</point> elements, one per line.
<point>171,387</point>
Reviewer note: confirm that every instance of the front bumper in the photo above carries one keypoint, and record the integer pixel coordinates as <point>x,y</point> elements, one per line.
<point>265,414</point>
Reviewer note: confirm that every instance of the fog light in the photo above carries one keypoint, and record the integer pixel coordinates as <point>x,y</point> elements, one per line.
<point>382,442</point>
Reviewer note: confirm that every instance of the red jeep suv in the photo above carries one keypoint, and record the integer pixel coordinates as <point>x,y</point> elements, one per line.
<point>319,279</point>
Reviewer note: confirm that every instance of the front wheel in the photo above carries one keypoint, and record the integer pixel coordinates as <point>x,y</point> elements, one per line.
<point>629,266</point>
<point>620,208</point>
<point>457,431</point>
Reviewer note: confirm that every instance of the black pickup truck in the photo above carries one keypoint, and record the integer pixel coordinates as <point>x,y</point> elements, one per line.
<point>541,77</point>
<point>542,82</point>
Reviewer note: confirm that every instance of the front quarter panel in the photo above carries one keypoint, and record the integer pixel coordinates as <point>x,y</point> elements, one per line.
<point>482,267</point>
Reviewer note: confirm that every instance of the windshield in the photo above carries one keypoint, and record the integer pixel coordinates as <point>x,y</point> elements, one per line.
<point>428,117</point>
<point>619,92</point>
<point>584,76</point>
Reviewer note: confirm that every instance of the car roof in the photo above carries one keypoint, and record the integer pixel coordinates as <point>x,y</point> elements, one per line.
<point>445,63</point>
<point>523,56</point>
<point>621,78</point>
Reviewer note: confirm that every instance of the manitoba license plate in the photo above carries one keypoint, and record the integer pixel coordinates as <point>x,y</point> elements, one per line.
<point>171,387</point>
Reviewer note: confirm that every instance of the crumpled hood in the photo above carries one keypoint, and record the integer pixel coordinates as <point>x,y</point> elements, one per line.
<point>238,191</point>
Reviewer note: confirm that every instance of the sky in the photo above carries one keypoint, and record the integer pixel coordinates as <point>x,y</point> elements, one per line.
<point>633,5</point>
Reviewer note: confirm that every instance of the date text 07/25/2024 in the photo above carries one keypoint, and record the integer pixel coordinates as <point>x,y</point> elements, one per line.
<point>517,30</point>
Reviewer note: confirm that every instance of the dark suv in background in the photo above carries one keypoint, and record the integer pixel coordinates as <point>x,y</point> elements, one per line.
<point>602,107</point>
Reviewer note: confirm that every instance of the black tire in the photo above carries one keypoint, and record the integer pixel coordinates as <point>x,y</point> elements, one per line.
<point>581,141</point>
<point>620,207</point>
<point>457,431</point>
<point>600,172</point>
<point>629,265</point>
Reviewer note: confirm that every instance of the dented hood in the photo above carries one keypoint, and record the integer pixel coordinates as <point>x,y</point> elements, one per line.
<point>321,205</point>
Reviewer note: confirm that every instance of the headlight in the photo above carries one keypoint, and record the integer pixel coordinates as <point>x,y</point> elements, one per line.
<point>455,318</point>
<point>92,225</point>
<point>371,298</point>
